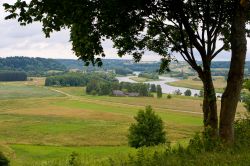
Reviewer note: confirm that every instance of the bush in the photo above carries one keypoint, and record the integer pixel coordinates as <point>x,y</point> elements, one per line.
<point>74,159</point>
<point>3,160</point>
<point>169,96</point>
<point>147,131</point>
<point>188,92</point>
<point>177,92</point>
<point>242,132</point>
<point>205,143</point>
<point>201,93</point>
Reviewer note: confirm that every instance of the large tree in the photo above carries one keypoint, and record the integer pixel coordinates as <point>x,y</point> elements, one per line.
<point>231,95</point>
<point>189,27</point>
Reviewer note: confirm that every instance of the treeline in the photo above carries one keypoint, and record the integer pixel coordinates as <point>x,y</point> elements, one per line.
<point>32,66</point>
<point>95,87</point>
<point>48,67</point>
<point>72,79</point>
<point>79,79</point>
<point>100,83</point>
<point>13,76</point>
<point>124,71</point>
<point>152,76</point>
<point>112,64</point>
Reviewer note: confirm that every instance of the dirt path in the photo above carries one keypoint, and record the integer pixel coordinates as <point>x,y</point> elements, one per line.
<point>119,103</point>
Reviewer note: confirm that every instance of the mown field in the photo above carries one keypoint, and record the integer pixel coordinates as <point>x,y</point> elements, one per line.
<point>219,83</point>
<point>39,124</point>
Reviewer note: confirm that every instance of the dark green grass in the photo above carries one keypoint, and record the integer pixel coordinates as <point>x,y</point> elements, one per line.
<point>13,91</point>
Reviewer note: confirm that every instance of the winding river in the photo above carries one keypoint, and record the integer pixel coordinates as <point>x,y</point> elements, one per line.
<point>162,82</point>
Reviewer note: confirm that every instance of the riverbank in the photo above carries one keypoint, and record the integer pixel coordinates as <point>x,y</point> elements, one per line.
<point>219,84</point>
<point>162,82</point>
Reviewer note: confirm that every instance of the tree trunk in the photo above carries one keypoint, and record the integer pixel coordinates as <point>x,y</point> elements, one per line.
<point>210,118</point>
<point>231,95</point>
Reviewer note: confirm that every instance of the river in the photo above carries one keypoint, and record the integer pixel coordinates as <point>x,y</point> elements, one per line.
<point>162,82</point>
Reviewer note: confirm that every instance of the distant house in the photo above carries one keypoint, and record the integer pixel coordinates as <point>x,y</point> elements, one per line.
<point>118,93</point>
<point>121,93</point>
<point>133,94</point>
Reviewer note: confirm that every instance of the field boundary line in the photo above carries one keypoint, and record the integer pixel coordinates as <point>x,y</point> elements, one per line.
<point>119,103</point>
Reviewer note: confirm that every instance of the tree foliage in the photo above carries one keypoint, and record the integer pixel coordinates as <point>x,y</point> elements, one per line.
<point>32,66</point>
<point>152,88</point>
<point>188,92</point>
<point>13,76</point>
<point>246,97</point>
<point>148,129</point>
<point>159,91</point>
<point>4,161</point>
<point>122,71</point>
<point>79,79</point>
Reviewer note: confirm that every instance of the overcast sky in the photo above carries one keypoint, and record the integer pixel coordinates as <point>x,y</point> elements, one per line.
<point>16,40</point>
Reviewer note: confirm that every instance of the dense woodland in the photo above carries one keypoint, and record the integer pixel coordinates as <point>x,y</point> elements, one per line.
<point>78,79</point>
<point>48,67</point>
<point>13,76</point>
<point>32,66</point>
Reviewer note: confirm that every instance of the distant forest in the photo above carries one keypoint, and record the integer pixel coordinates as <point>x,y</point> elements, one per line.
<point>31,66</point>
<point>48,67</point>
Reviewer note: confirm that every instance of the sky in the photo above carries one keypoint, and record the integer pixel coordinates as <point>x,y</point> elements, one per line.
<point>16,40</point>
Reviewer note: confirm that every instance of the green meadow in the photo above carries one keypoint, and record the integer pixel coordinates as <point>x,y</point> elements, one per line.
<point>40,124</point>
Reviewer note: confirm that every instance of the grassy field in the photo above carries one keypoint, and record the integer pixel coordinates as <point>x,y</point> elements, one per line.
<point>219,83</point>
<point>142,79</point>
<point>40,124</point>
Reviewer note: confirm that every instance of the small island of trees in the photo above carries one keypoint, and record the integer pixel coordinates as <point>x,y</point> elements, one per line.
<point>13,76</point>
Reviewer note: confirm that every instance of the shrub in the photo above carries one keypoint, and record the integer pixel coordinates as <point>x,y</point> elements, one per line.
<point>169,96</point>
<point>177,92</point>
<point>147,131</point>
<point>74,160</point>
<point>242,131</point>
<point>201,93</point>
<point>204,142</point>
<point>3,160</point>
<point>188,92</point>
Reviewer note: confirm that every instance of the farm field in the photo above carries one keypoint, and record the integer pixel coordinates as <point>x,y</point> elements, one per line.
<point>141,79</point>
<point>39,124</point>
<point>219,83</point>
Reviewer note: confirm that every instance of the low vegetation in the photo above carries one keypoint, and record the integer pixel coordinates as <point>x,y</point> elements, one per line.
<point>151,76</point>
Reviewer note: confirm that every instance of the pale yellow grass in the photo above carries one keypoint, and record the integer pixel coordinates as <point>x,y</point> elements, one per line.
<point>219,83</point>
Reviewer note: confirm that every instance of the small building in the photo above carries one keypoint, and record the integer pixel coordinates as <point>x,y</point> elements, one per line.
<point>118,93</point>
